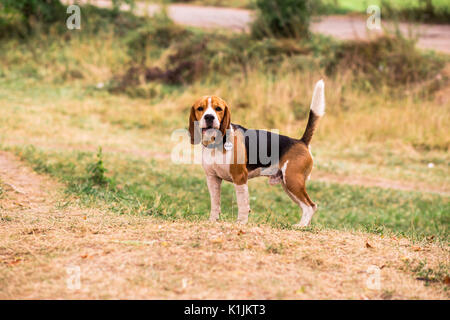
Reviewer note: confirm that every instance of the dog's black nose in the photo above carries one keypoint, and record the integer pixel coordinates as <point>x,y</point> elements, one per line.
<point>209,118</point>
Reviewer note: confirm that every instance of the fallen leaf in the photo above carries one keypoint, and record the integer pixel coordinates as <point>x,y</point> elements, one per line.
<point>15,262</point>
<point>240,232</point>
<point>417,248</point>
<point>217,240</point>
<point>84,217</point>
<point>84,256</point>
<point>447,280</point>
<point>368,245</point>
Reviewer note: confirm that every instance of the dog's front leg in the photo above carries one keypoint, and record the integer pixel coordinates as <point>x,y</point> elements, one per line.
<point>214,183</point>
<point>243,202</point>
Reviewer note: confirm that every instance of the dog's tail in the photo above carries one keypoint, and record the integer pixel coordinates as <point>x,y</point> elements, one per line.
<point>316,112</point>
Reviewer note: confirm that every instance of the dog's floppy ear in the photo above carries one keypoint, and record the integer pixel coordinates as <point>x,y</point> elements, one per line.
<point>195,134</point>
<point>226,120</point>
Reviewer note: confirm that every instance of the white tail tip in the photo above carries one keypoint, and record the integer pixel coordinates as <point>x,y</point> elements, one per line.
<point>318,99</point>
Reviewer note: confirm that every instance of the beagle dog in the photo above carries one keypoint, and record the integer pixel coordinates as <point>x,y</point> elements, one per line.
<point>233,153</point>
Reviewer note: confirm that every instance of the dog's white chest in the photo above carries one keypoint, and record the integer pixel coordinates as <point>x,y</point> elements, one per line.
<point>216,162</point>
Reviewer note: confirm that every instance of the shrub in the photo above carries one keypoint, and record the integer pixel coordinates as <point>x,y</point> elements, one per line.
<point>45,11</point>
<point>282,18</point>
<point>158,33</point>
<point>390,60</point>
<point>422,11</point>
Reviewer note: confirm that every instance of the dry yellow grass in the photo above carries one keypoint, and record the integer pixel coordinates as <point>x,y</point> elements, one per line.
<point>42,233</point>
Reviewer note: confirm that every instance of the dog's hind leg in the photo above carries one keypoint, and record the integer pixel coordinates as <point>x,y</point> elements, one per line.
<point>293,183</point>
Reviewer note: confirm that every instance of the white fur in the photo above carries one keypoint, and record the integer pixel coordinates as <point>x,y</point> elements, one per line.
<point>318,99</point>
<point>283,170</point>
<point>214,183</point>
<point>243,202</point>
<point>307,211</point>
<point>217,163</point>
<point>210,110</point>
<point>307,215</point>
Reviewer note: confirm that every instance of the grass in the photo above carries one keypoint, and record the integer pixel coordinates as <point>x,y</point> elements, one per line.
<point>172,192</point>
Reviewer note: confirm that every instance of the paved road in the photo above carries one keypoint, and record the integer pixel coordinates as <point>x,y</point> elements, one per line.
<point>430,36</point>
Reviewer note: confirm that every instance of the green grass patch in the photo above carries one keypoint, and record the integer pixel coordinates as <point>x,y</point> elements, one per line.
<point>179,192</point>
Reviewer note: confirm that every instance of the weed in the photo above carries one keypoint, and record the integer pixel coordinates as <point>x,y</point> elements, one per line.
<point>97,171</point>
<point>274,248</point>
<point>430,275</point>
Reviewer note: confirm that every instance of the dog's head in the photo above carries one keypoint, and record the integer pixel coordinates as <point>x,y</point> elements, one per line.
<point>212,116</point>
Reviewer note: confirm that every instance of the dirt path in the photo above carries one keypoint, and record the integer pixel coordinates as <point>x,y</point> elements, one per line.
<point>45,238</point>
<point>436,37</point>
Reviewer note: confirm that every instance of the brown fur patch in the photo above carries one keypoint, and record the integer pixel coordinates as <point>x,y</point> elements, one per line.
<point>238,167</point>
<point>297,170</point>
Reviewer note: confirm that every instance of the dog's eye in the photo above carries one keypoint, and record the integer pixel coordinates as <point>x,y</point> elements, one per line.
<point>200,109</point>
<point>218,109</point>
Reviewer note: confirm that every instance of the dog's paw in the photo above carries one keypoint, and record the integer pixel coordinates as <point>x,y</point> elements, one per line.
<point>213,219</point>
<point>242,220</point>
<point>299,225</point>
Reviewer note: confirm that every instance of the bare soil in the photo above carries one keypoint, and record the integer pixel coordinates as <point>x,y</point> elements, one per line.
<point>44,232</point>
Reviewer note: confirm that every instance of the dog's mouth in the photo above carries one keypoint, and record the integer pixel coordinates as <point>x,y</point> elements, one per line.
<point>209,135</point>
<point>206,129</point>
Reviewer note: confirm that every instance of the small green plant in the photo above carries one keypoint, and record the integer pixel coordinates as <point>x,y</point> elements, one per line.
<point>97,171</point>
<point>275,248</point>
<point>425,273</point>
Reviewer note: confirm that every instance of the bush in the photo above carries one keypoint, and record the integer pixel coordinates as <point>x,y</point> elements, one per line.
<point>422,11</point>
<point>282,18</point>
<point>45,11</point>
<point>158,33</point>
<point>390,60</point>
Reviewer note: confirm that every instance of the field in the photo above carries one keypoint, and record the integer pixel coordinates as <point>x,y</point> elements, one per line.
<point>380,177</point>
